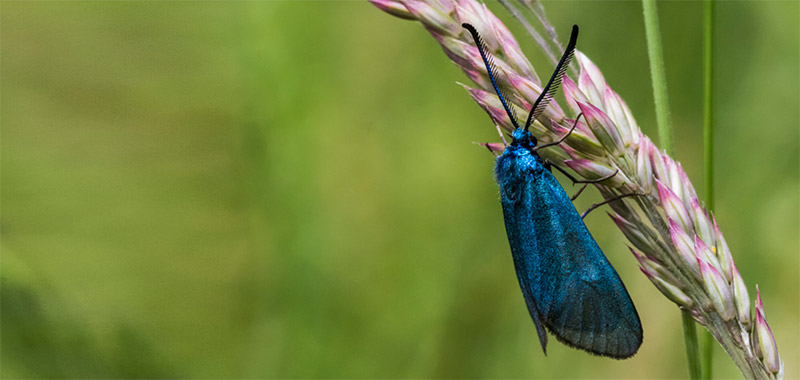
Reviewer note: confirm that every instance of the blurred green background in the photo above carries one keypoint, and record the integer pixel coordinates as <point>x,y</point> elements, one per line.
<point>285,189</point>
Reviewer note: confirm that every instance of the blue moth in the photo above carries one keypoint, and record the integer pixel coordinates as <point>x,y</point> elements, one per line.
<point>569,286</point>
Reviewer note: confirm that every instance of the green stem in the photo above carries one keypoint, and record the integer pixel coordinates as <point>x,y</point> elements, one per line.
<point>690,337</point>
<point>708,146</point>
<point>707,354</point>
<point>657,74</point>
<point>659,79</point>
<point>708,103</point>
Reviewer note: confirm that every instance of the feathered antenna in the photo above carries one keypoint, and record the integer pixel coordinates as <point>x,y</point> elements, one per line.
<point>555,81</point>
<point>490,68</point>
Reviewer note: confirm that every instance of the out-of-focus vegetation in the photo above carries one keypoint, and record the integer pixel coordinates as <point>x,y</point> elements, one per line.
<point>290,190</point>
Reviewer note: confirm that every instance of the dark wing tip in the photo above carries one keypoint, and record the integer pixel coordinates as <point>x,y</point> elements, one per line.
<point>626,344</point>
<point>599,318</point>
<point>619,353</point>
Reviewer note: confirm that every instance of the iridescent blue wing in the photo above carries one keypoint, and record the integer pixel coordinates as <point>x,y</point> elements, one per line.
<point>568,284</point>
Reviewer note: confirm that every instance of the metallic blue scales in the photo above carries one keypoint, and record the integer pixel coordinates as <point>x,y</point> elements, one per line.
<point>569,286</point>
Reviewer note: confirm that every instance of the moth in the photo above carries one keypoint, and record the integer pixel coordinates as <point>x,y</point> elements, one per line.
<point>569,286</point>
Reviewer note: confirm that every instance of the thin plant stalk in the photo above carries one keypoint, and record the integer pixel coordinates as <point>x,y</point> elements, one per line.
<point>658,76</point>
<point>659,79</point>
<point>536,7</point>
<point>708,147</point>
<point>708,102</point>
<point>530,29</point>
<point>690,339</point>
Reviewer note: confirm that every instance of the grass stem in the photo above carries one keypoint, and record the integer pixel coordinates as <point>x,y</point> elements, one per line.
<point>708,147</point>
<point>657,74</point>
<point>659,79</point>
<point>690,338</point>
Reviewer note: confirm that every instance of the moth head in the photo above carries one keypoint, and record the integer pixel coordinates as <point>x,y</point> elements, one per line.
<point>523,139</point>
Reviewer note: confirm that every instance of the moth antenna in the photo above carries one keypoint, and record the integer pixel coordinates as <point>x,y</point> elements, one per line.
<point>490,68</point>
<point>555,81</point>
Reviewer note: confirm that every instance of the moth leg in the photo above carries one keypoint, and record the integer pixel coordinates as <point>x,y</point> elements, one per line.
<point>548,165</point>
<point>618,197</point>
<point>574,197</point>
<point>575,124</point>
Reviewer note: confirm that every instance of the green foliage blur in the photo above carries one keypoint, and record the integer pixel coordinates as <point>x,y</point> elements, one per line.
<point>290,189</point>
